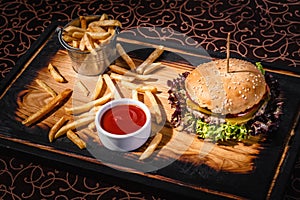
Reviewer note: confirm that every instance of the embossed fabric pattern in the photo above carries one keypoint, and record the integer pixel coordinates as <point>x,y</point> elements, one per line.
<point>265,30</point>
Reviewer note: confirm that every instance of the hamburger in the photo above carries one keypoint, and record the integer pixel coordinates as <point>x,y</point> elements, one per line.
<point>225,100</point>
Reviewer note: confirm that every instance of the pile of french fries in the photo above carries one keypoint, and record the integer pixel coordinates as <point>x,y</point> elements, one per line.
<point>91,36</point>
<point>124,75</point>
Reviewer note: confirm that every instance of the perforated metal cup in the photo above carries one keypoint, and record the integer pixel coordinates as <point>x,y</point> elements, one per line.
<point>85,62</point>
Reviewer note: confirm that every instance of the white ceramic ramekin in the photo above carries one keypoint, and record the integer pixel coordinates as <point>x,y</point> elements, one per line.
<point>126,142</point>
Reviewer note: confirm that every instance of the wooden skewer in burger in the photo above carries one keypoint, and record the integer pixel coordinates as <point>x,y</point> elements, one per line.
<point>225,99</point>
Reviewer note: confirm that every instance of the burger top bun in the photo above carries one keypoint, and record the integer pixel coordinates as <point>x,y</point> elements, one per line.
<point>212,87</point>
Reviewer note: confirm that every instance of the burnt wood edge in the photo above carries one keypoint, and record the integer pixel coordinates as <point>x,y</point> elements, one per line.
<point>277,190</point>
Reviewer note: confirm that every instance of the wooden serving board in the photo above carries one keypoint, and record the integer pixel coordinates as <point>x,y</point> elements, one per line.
<point>181,160</point>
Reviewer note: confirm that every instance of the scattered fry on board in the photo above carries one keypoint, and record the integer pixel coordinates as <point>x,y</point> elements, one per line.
<point>151,58</point>
<point>98,87</point>
<point>123,71</point>
<point>49,107</point>
<point>154,106</point>
<point>152,146</point>
<point>56,127</point>
<point>56,74</point>
<point>87,106</point>
<point>125,56</point>
<point>75,139</point>
<point>152,67</point>
<point>135,94</point>
<point>110,84</point>
<point>139,88</point>
<point>120,77</point>
<point>46,87</point>
<point>73,125</point>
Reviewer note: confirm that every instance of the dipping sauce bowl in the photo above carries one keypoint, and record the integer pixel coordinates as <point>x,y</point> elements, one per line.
<point>123,124</point>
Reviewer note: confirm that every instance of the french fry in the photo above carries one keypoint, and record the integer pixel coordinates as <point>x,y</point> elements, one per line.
<point>86,107</point>
<point>96,108</point>
<point>75,139</point>
<point>106,23</point>
<point>71,29</point>
<point>73,125</point>
<point>98,88</point>
<point>68,38</point>
<point>56,127</point>
<point>96,29</point>
<point>139,88</point>
<point>46,87</point>
<point>152,67</point>
<point>89,36</point>
<point>125,56</point>
<point>56,74</point>
<point>88,43</point>
<point>75,43</point>
<point>98,35</point>
<point>112,32</point>
<point>92,135</point>
<point>54,103</point>
<point>82,136</point>
<point>151,58</point>
<point>123,71</point>
<point>92,126</point>
<point>84,115</point>
<point>83,88</point>
<point>103,17</point>
<point>77,35</point>
<point>82,44</point>
<point>111,86</point>
<point>120,77</point>
<point>135,94</point>
<point>83,22</point>
<point>155,107</point>
<point>152,146</point>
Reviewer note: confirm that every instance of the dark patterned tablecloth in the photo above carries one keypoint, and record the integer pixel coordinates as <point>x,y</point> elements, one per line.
<point>265,30</point>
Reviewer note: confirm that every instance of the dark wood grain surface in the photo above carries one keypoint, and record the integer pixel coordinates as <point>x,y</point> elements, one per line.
<point>253,23</point>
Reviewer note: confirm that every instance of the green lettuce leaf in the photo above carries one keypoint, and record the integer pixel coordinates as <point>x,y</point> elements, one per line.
<point>221,132</point>
<point>260,67</point>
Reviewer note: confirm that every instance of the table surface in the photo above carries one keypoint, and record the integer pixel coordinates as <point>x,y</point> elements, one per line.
<point>261,30</point>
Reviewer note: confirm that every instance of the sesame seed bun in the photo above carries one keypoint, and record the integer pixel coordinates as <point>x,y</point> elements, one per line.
<point>212,87</point>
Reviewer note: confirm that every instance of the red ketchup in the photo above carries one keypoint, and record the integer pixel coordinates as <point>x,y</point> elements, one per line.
<point>123,119</point>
